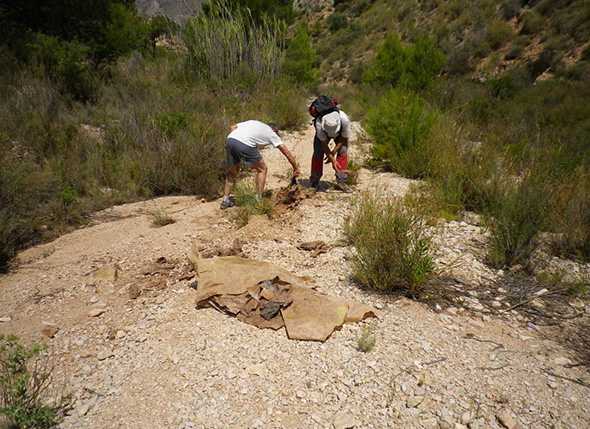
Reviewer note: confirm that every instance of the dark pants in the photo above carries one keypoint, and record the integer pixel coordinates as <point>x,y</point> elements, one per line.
<point>317,161</point>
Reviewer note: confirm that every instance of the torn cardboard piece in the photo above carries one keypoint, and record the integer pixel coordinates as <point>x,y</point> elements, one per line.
<point>266,296</point>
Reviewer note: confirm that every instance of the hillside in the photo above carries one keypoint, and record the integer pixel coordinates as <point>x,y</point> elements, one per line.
<point>443,273</point>
<point>481,39</point>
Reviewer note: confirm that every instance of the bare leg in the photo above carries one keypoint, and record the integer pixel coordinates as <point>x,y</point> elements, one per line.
<point>230,179</point>
<point>261,170</point>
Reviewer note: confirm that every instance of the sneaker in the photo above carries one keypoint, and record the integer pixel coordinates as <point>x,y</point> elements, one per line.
<point>227,203</point>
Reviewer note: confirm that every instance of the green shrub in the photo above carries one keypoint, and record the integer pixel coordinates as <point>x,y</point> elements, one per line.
<point>392,248</point>
<point>171,123</point>
<point>571,214</point>
<point>336,21</point>
<point>509,84</point>
<point>514,217</point>
<point>498,33</point>
<point>459,62</point>
<point>68,64</point>
<point>424,62</point>
<point>25,381</point>
<point>301,59</point>
<point>511,8</point>
<point>412,67</point>
<point>517,48</point>
<point>400,125</point>
<point>125,31</point>
<point>532,22</point>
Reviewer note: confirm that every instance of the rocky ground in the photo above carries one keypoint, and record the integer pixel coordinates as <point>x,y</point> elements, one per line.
<point>114,303</point>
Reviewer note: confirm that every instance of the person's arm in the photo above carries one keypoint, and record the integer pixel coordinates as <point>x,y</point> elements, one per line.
<point>285,151</point>
<point>341,141</point>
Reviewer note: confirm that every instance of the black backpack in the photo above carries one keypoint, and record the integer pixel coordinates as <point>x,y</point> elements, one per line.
<point>322,105</point>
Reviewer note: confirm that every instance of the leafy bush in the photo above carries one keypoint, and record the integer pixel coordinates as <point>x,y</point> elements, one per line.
<point>400,125</point>
<point>498,33</point>
<point>336,21</point>
<point>571,214</point>
<point>509,84</point>
<point>412,67</point>
<point>517,48</point>
<point>511,8</point>
<point>532,22</point>
<point>393,249</point>
<point>515,217</point>
<point>25,381</point>
<point>67,63</point>
<point>124,32</point>
<point>227,43</point>
<point>171,123</point>
<point>459,62</point>
<point>301,59</point>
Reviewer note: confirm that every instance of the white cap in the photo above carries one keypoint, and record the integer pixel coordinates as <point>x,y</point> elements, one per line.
<point>331,124</point>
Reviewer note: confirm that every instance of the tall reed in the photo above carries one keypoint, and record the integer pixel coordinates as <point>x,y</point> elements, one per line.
<point>227,43</point>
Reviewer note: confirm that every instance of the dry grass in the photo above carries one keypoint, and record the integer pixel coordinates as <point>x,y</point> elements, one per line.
<point>161,218</point>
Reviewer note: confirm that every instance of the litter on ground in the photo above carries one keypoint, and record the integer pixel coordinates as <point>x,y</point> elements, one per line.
<point>266,296</point>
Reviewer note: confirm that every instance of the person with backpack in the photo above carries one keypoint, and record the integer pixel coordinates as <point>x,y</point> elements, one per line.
<point>330,123</point>
<point>242,147</point>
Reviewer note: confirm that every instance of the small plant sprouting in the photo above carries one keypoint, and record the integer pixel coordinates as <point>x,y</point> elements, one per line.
<point>161,218</point>
<point>366,341</point>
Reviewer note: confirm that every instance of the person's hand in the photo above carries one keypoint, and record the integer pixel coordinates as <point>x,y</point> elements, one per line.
<point>296,172</point>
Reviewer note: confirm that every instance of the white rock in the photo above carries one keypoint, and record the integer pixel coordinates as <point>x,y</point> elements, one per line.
<point>344,420</point>
<point>5,319</point>
<point>466,417</point>
<point>562,361</point>
<point>506,419</point>
<point>96,311</point>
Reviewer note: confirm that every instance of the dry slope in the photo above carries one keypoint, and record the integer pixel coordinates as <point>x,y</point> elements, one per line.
<point>136,353</point>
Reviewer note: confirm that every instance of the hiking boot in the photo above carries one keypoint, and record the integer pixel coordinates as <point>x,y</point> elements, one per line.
<point>227,203</point>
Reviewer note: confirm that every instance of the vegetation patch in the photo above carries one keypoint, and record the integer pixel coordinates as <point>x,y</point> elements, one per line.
<point>400,125</point>
<point>26,386</point>
<point>161,218</point>
<point>366,340</point>
<point>393,249</point>
<point>249,203</point>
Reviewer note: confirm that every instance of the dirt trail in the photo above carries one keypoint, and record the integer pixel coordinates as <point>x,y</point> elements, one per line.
<point>153,361</point>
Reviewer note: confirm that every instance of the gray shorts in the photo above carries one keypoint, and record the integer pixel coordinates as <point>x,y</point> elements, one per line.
<point>237,151</point>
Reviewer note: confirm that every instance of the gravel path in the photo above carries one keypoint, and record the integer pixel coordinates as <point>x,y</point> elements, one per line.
<point>136,354</point>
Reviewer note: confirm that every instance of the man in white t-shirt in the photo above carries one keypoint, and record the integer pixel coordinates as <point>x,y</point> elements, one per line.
<point>242,146</point>
<point>334,125</point>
